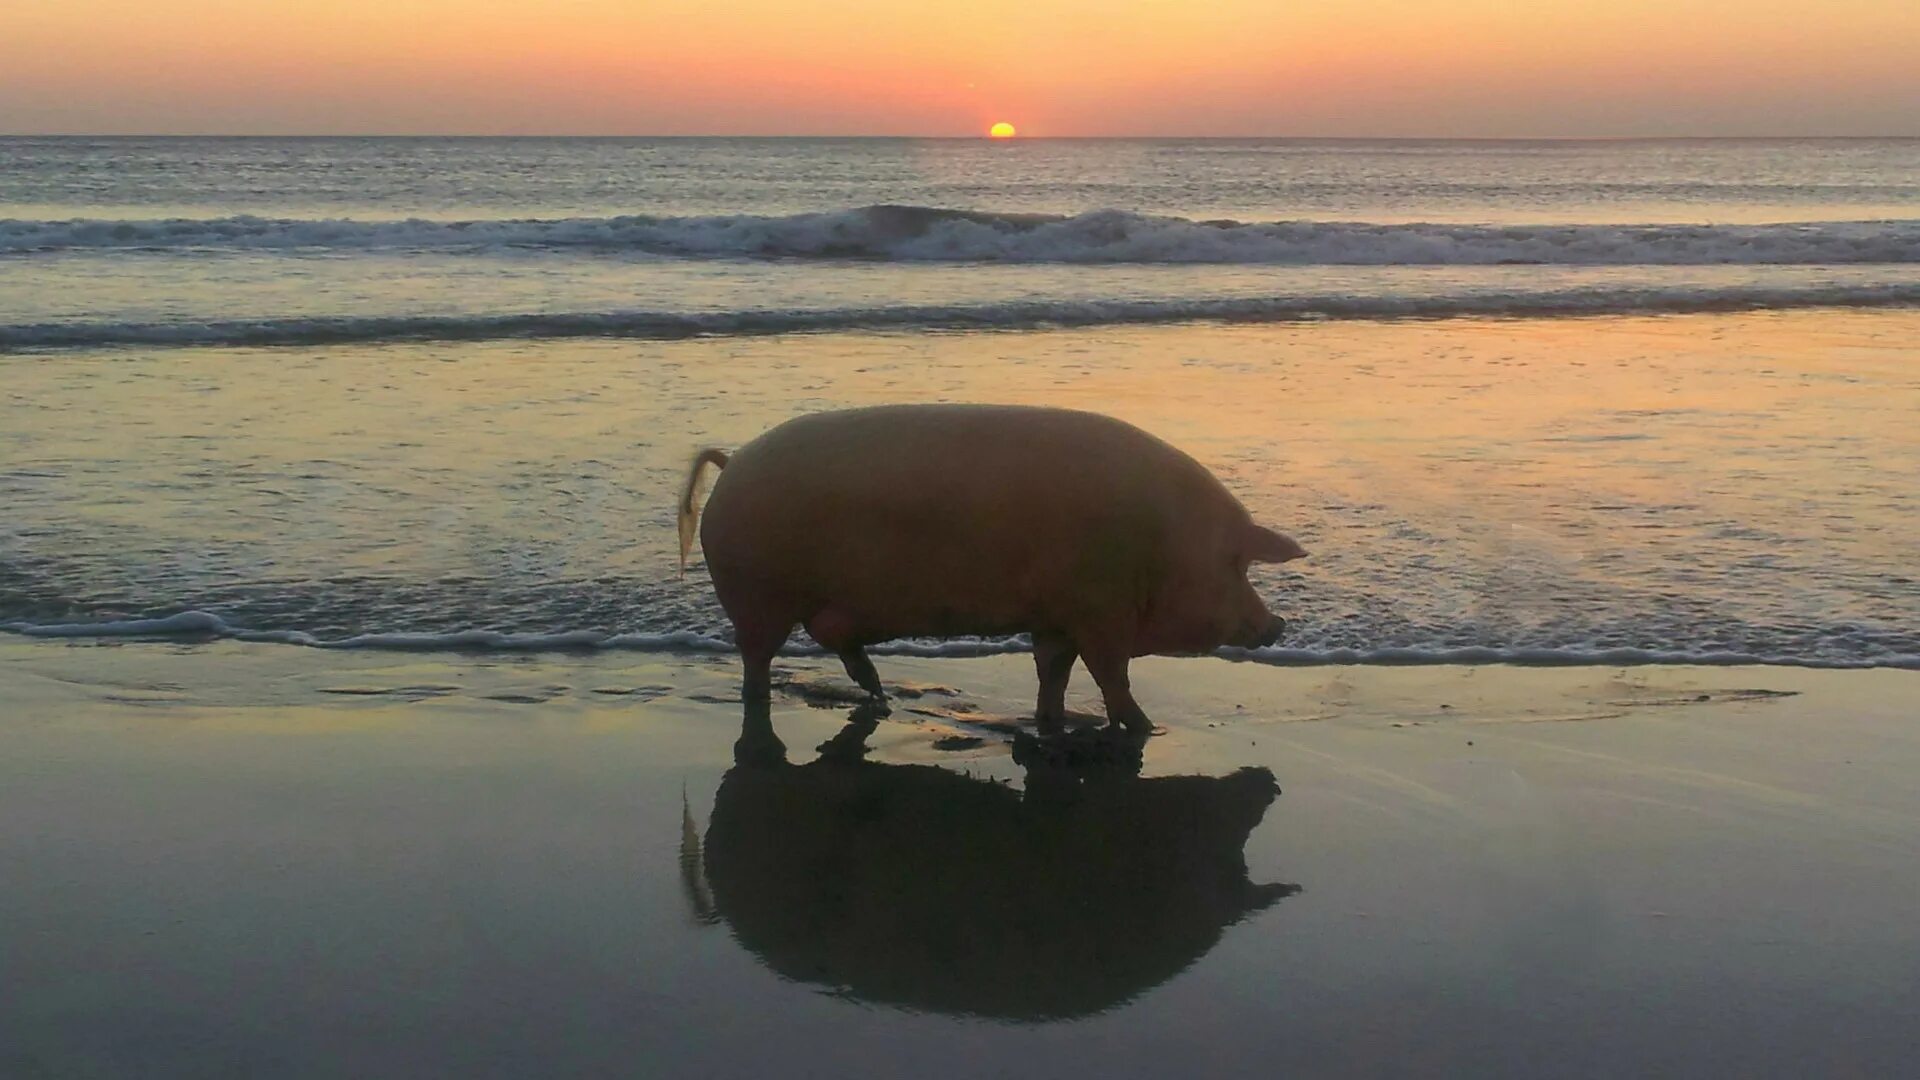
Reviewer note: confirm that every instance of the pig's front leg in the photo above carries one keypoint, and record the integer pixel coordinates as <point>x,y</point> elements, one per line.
<point>1108,666</point>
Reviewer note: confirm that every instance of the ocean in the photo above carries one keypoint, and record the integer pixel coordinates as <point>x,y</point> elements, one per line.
<point>1612,402</point>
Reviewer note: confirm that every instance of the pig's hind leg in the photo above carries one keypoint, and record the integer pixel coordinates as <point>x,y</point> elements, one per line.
<point>758,640</point>
<point>860,670</point>
<point>834,630</point>
<point>1053,657</point>
<point>759,637</point>
<point>762,618</point>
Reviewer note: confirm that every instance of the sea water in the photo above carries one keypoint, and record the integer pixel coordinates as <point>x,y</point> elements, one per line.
<point>1585,401</point>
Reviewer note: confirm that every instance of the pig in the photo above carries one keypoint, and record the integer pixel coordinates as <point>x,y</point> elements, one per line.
<point>1098,540</point>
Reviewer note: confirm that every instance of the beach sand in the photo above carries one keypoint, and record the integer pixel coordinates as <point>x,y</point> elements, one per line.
<point>232,859</point>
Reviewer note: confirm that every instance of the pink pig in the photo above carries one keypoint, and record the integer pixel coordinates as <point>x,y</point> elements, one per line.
<point>1097,539</point>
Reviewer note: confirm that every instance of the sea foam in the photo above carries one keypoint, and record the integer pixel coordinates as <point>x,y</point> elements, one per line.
<point>202,624</point>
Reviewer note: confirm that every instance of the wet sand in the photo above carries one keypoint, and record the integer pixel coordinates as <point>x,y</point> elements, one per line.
<point>227,859</point>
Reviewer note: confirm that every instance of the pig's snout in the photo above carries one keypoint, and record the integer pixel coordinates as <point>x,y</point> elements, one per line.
<point>1262,634</point>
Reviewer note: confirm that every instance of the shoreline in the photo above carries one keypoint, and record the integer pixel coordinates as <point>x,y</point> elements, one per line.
<point>199,628</point>
<point>191,675</point>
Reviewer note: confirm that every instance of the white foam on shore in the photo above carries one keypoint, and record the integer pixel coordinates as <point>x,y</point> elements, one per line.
<point>202,624</point>
<point>933,234</point>
<point>1011,315</point>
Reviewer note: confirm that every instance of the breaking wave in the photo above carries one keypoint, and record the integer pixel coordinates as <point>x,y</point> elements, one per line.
<point>930,234</point>
<point>1017,315</point>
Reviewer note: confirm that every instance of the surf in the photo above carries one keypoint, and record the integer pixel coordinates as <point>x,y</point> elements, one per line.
<point>938,234</point>
<point>1006,315</point>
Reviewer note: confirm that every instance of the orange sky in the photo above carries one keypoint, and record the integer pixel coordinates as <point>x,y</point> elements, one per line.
<point>1053,67</point>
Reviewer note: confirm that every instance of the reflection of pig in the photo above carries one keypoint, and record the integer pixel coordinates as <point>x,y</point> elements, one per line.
<point>1094,537</point>
<point>914,886</point>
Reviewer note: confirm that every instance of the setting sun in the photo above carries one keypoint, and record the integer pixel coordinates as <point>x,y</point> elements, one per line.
<point>1001,130</point>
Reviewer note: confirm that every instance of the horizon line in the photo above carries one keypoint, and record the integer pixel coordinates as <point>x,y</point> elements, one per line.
<point>946,138</point>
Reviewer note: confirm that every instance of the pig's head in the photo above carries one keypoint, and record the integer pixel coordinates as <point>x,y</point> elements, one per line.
<point>1207,602</point>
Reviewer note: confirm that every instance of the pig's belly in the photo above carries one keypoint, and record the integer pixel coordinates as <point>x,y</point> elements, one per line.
<point>874,585</point>
<point>923,598</point>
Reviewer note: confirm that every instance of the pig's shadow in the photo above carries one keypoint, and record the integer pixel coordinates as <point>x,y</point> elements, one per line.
<point>918,887</point>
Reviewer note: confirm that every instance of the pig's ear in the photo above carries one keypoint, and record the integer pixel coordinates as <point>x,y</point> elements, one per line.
<point>1265,545</point>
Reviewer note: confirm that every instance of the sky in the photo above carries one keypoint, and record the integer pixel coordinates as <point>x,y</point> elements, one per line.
<point>1364,68</point>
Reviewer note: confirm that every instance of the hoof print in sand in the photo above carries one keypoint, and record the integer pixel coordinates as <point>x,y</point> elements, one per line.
<point>958,742</point>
